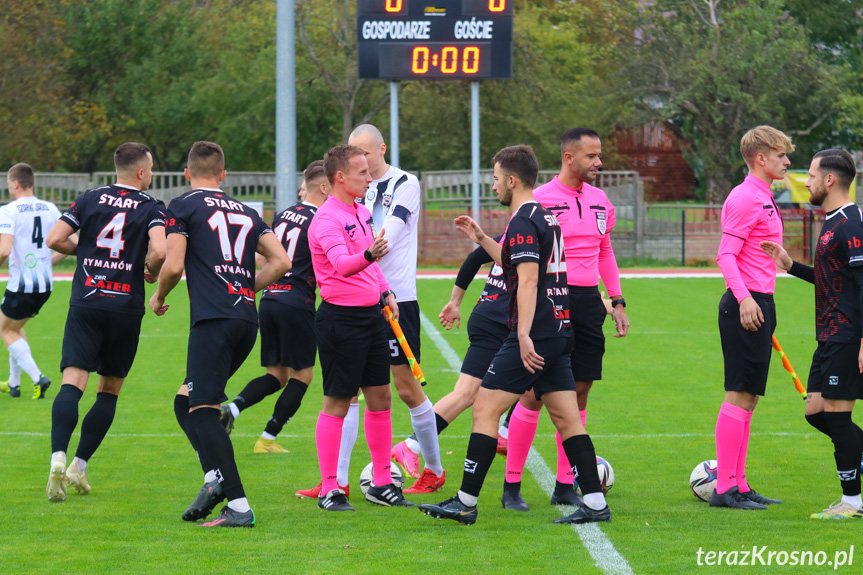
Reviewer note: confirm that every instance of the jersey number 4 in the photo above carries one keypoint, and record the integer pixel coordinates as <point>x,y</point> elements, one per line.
<point>111,236</point>
<point>37,232</point>
<point>219,223</point>
<point>556,262</point>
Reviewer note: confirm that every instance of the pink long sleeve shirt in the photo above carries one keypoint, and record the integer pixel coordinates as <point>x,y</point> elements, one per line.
<point>749,216</point>
<point>586,219</point>
<point>338,236</point>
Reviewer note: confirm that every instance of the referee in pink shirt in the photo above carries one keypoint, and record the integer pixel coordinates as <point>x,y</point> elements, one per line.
<point>747,314</point>
<point>352,336</point>
<point>586,219</point>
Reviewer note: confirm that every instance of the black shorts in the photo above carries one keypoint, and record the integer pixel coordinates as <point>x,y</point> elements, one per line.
<point>100,340</point>
<point>19,306</point>
<point>746,353</point>
<point>409,321</point>
<point>834,372</point>
<point>287,335</point>
<point>217,349</point>
<point>587,313</point>
<point>507,372</point>
<point>352,344</point>
<point>486,337</point>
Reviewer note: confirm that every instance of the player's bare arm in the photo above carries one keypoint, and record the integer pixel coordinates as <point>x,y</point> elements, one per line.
<point>394,307</point>
<point>58,256</point>
<point>751,316</point>
<point>778,253</point>
<point>5,247</point>
<point>528,278</point>
<point>469,227</point>
<point>621,321</point>
<point>59,239</point>
<point>171,272</point>
<point>380,247</point>
<point>277,264</point>
<point>156,254</point>
<point>451,312</point>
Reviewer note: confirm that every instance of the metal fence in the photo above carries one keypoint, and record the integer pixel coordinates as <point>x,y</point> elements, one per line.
<point>684,233</point>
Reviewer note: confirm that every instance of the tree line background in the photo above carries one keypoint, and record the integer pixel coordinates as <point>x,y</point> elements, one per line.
<point>79,77</point>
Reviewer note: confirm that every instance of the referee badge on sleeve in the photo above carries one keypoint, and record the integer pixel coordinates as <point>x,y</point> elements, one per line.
<point>600,222</point>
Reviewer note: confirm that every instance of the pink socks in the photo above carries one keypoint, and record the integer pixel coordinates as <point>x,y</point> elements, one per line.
<point>522,429</point>
<point>328,437</point>
<point>379,435</point>
<point>732,438</point>
<point>741,459</point>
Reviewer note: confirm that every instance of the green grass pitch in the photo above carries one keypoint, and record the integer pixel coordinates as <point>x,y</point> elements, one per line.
<point>652,417</point>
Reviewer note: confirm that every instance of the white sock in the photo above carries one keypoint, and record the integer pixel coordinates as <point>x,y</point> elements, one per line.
<point>14,372</point>
<point>413,445</point>
<point>20,350</point>
<point>58,455</point>
<point>855,500</point>
<point>210,476</point>
<point>235,411</point>
<point>425,426</point>
<point>266,435</point>
<point>595,501</point>
<point>82,465</point>
<point>350,428</point>
<point>468,500</point>
<point>241,504</point>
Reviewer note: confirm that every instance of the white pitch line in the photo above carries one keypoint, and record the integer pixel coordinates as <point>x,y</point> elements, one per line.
<point>606,557</point>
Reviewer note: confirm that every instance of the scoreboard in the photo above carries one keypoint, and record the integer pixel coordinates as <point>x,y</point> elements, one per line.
<point>434,39</point>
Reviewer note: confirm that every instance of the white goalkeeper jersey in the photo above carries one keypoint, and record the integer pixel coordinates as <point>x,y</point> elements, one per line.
<point>394,202</point>
<point>29,220</point>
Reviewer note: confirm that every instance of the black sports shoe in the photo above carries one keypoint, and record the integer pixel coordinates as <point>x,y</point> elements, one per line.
<point>566,496</point>
<point>452,508</point>
<point>513,500</point>
<point>585,514</point>
<point>388,495</point>
<point>40,387</point>
<point>15,391</point>
<point>226,418</point>
<point>335,500</point>
<point>734,499</point>
<point>230,518</point>
<point>753,495</point>
<point>208,497</point>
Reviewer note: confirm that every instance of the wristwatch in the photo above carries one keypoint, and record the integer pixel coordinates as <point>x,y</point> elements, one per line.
<point>388,293</point>
<point>618,301</point>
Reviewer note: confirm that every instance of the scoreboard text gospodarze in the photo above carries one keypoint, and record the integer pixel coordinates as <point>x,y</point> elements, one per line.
<point>434,39</point>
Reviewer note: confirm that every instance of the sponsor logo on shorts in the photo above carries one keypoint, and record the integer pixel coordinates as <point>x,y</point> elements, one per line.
<point>834,380</point>
<point>189,385</point>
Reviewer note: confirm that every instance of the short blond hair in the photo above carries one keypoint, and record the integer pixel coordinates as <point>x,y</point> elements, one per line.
<point>761,140</point>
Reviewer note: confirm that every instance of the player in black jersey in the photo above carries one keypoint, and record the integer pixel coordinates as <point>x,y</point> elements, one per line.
<point>835,380</point>
<point>536,353</point>
<point>487,329</point>
<point>115,226</point>
<point>215,238</point>
<point>287,315</point>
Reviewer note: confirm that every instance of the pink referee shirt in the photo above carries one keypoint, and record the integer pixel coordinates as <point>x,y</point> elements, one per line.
<point>586,219</point>
<point>749,216</point>
<point>338,236</point>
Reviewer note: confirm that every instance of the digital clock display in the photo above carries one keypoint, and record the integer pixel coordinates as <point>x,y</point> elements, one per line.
<point>434,39</point>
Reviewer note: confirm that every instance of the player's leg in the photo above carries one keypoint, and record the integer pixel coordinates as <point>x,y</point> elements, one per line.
<point>746,358</point>
<point>814,401</point>
<point>503,432</point>
<point>15,311</point>
<point>377,421</point>
<point>81,354</point>
<point>217,348</point>
<point>290,353</point>
<point>522,430</point>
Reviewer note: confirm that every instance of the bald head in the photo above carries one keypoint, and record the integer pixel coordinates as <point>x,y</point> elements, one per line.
<point>369,139</point>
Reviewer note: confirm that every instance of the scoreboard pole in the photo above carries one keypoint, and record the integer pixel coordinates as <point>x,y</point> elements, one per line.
<point>474,149</point>
<point>394,124</point>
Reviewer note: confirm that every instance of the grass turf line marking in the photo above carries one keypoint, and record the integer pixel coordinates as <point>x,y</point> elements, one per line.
<point>605,556</point>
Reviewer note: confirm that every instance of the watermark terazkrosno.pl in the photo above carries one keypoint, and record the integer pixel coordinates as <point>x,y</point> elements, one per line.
<point>763,555</point>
